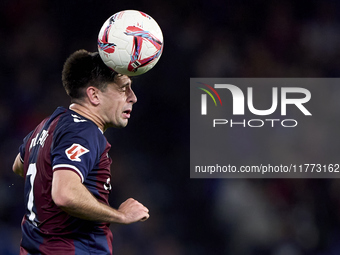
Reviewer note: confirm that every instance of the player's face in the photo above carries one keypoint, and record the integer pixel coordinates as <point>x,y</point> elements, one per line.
<point>117,101</point>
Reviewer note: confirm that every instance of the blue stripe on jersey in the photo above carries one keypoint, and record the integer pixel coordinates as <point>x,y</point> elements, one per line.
<point>31,238</point>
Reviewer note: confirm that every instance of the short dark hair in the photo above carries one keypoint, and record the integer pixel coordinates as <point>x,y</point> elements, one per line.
<point>83,69</point>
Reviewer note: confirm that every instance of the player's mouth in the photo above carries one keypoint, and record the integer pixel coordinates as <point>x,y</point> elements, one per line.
<point>127,113</point>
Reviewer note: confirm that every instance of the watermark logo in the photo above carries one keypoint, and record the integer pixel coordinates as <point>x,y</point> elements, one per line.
<point>262,127</point>
<point>239,99</point>
<point>204,97</point>
<point>243,103</point>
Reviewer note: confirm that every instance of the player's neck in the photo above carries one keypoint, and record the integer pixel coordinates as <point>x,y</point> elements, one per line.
<point>87,113</point>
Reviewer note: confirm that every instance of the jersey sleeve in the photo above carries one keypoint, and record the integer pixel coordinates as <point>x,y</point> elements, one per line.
<point>22,148</point>
<point>77,148</point>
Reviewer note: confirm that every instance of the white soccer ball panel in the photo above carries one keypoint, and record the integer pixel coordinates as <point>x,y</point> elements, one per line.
<point>130,42</point>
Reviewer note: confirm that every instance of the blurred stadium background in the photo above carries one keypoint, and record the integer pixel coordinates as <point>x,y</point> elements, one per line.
<point>246,38</point>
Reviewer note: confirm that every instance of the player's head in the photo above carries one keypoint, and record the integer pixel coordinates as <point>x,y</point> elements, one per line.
<point>87,80</point>
<point>83,69</point>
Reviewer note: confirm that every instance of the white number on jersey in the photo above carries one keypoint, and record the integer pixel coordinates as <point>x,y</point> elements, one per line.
<point>31,173</point>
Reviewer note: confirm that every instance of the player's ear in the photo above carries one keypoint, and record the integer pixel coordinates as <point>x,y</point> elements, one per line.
<point>92,95</point>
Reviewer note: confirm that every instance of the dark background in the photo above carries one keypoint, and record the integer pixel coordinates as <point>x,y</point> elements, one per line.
<point>249,38</point>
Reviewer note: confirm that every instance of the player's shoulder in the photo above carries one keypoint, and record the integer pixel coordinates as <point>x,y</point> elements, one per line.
<point>78,122</point>
<point>74,124</point>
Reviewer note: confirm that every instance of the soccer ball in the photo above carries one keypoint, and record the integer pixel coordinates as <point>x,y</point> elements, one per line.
<point>130,42</point>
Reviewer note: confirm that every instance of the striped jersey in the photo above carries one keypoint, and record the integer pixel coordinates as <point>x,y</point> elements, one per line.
<point>64,141</point>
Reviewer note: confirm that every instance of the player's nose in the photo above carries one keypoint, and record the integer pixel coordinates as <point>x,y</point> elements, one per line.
<point>132,98</point>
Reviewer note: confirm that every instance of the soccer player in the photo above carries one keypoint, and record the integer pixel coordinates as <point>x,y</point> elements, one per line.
<point>66,165</point>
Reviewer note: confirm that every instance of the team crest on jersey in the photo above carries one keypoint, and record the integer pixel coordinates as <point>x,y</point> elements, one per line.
<point>75,151</point>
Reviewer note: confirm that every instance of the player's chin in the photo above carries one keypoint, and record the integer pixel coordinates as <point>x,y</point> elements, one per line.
<point>121,124</point>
